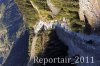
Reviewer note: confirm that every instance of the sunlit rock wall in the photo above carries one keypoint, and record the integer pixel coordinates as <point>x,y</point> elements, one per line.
<point>90,10</point>
<point>55,10</point>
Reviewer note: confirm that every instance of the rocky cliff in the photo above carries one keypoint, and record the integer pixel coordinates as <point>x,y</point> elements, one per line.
<point>55,10</point>
<point>78,44</point>
<point>52,37</point>
<point>90,11</point>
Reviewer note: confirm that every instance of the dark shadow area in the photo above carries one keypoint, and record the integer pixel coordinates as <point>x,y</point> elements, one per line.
<point>54,48</point>
<point>19,53</point>
<point>90,42</point>
<point>88,28</point>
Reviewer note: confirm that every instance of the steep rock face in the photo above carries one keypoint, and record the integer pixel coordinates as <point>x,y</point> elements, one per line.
<point>90,10</point>
<point>12,35</point>
<point>55,10</point>
<point>79,44</point>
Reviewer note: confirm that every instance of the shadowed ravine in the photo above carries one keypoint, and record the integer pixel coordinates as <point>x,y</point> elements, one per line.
<point>79,44</point>
<point>19,54</point>
<point>76,44</point>
<point>17,35</point>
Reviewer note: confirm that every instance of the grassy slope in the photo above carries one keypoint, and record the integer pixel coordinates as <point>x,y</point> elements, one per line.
<point>43,8</point>
<point>69,9</point>
<point>29,13</point>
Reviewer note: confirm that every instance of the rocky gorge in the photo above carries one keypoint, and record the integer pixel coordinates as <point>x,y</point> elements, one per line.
<point>56,33</point>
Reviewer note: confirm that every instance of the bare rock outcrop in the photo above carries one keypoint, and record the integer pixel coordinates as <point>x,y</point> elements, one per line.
<point>55,10</point>
<point>90,11</point>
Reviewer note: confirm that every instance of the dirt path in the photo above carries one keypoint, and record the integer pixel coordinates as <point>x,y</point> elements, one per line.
<point>34,6</point>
